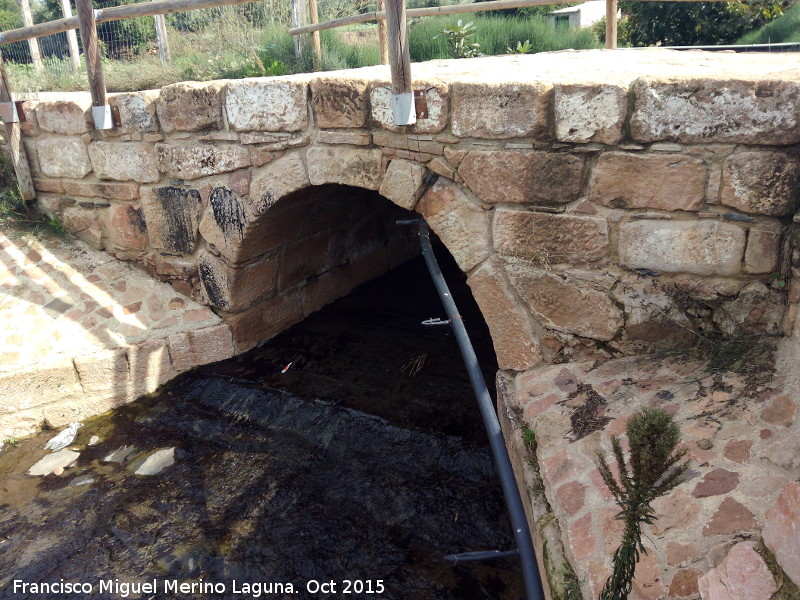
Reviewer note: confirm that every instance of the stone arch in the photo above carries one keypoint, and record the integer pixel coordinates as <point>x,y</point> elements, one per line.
<point>251,271</point>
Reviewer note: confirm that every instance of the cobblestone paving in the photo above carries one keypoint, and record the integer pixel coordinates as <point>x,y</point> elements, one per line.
<point>741,434</point>
<point>82,331</point>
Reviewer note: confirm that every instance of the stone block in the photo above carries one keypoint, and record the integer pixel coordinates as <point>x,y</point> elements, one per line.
<point>699,247</point>
<point>50,186</point>
<point>109,191</point>
<point>353,138</point>
<point>523,177</point>
<point>124,161</point>
<point>500,110</point>
<point>711,110</point>
<point>742,575</point>
<point>193,162</point>
<point>763,250</point>
<point>348,166</point>
<point>68,117</point>
<point>781,532</point>
<point>652,315</point>
<point>125,226</point>
<point>265,320</point>
<point>324,290</point>
<point>462,226</point>
<point>339,102</point>
<point>202,347</point>
<point>236,288</point>
<point>83,223</point>
<point>105,373</point>
<point>23,390</point>
<point>380,97</point>
<point>756,309</point>
<point>149,365</point>
<point>190,106</point>
<point>137,111</point>
<point>63,157</point>
<point>763,183</point>
<point>550,239</point>
<point>30,128</point>
<point>402,183</point>
<point>590,113</point>
<point>267,104</point>
<point>304,260</point>
<point>172,215</point>
<point>515,343</point>
<point>657,181</point>
<point>278,179</point>
<point>715,483</point>
<point>224,222</point>
<point>567,304</point>
<point>731,517</point>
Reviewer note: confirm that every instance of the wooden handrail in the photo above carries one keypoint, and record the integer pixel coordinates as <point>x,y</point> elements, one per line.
<point>115,13</point>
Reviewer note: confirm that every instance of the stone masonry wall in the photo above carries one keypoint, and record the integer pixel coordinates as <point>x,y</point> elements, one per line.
<point>593,218</point>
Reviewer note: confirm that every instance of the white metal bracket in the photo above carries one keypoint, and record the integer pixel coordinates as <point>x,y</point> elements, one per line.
<point>403,109</point>
<point>102,117</point>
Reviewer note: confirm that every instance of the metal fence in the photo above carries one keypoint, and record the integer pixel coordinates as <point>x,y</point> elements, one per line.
<point>195,42</point>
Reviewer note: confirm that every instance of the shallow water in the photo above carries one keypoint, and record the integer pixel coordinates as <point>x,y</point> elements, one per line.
<point>364,462</point>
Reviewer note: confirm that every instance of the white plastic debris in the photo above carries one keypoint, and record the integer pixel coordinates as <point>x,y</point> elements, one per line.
<point>65,438</point>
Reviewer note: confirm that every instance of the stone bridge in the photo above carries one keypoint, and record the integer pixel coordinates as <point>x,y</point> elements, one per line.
<point>601,203</point>
<point>564,182</point>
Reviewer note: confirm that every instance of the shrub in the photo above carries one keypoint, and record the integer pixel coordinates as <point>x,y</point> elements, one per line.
<point>652,471</point>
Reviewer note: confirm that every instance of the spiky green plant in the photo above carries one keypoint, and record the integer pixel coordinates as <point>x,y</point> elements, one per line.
<point>653,469</point>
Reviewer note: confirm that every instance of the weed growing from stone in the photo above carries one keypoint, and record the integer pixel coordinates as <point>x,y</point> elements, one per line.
<point>653,469</point>
<point>15,212</point>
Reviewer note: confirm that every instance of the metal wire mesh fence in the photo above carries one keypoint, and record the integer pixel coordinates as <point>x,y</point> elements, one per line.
<point>215,43</point>
<point>220,42</point>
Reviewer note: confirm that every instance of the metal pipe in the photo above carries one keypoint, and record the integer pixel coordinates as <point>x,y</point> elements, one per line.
<point>519,523</point>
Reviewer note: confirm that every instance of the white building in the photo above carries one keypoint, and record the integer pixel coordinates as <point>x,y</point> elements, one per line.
<point>580,15</point>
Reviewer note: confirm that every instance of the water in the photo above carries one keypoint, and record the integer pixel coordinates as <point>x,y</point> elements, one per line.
<point>364,462</point>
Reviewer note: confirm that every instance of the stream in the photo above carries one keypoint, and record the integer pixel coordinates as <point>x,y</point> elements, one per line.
<point>349,474</point>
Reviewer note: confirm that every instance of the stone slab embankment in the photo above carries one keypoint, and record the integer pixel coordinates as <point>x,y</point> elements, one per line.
<point>81,333</point>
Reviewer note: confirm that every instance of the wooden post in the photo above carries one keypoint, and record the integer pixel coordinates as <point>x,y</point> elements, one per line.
<point>315,37</point>
<point>14,136</point>
<point>33,43</point>
<point>72,39</point>
<point>400,63</point>
<point>611,23</point>
<point>91,50</point>
<point>161,38</point>
<point>382,35</point>
<point>298,20</point>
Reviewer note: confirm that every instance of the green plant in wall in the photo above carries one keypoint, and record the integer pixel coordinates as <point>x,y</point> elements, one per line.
<point>459,39</point>
<point>653,469</point>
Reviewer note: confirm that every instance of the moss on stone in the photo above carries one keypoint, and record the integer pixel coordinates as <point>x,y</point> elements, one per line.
<point>787,590</point>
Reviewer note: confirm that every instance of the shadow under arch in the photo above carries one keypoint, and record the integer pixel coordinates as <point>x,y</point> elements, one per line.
<point>310,232</point>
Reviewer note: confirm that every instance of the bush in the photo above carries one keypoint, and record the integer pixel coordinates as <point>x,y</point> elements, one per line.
<point>496,34</point>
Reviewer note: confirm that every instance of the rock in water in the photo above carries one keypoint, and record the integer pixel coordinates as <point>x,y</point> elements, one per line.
<point>50,463</point>
<point>157,462</point>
